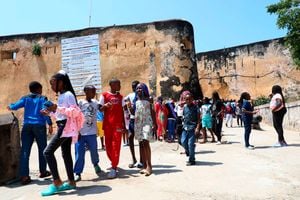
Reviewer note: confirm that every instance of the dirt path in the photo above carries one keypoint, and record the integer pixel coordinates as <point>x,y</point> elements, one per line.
<point>227,171</point>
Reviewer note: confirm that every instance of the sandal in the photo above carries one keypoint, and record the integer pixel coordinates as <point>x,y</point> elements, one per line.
<point>143,171</point>
<point>45,174</point>
<point>148,173</point>
<point>25,180</point>
<point>51,190</point>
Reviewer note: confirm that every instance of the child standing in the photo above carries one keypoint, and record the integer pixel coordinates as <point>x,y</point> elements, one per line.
<point>34,128</point>
<point>191,125</point>
<point>69,119</point>
<point>88,133</point>
<point>217,115</point>
<point>100,132</point>
<point>144,125</point>
<point>206,120</point>
<point>111,103</point>
<point>247,116</point>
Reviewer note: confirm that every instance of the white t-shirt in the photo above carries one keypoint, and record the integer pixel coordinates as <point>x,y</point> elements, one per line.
<point>89,110</point>
<point>66,100</point>
<point>273,102</point>
<point>130,97</point>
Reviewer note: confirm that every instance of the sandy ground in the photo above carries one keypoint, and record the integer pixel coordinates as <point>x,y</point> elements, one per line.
<point>227,171</point>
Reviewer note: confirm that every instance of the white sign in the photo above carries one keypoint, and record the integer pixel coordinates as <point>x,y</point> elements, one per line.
<point>80,59</point>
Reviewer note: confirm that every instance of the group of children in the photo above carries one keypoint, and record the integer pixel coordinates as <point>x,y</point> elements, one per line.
<point>77,123</point>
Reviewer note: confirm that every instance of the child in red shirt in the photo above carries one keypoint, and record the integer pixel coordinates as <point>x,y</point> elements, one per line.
<point>112,103</point>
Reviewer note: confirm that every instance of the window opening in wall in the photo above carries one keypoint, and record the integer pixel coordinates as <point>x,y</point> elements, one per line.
<point>54,50</point>
<point>116,46</point>
<point>134,43</point>
<point>125,45</point>
<point>106,46</point>
<point>8,55</point>
<point>144,43</point>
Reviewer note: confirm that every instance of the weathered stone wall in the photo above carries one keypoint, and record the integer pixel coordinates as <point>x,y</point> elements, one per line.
<point>254,68</point>
<point>161,54</point>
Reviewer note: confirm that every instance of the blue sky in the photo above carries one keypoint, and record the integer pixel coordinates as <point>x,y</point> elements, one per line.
<point>217,23</point>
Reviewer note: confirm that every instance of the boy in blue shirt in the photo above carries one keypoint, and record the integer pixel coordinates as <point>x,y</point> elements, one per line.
<point>191,125</point>
<point>34,128</point>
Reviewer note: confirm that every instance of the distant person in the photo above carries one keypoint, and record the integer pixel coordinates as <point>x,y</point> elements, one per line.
<point>206,120</point>
<point>161,115</point>
<point>100,132</point>
<point>191,126</point>
<point>277,106</point>
<point>88,133</point>
<point>217,116</point>
<point>238,113</point>
<point>171,123</point>
<point>34,128</point>
<point>112,103</point>
<point>69,120</point>
<point>144,125</point>
<point>247,116</point>
<point>229,112</point>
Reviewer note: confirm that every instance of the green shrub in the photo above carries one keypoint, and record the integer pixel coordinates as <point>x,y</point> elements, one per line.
<point>36,49</point>
<point>261,100</point>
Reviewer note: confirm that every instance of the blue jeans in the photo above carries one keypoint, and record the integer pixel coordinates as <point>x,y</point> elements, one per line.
<point>91,142</point>
<point>247,127</point>
<point>31,132</point>
<point>188,142</point>
<point>171,128</point>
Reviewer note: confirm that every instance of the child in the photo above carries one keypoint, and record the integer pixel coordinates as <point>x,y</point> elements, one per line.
<point>127,120</point>
<point>144,124</point>
<point>69,119</point>
<point>217,115</point>
<point>191,126</point>
<point>130,97</point>
<point>161,115</point>
<point>88,133</point>
<point>111,103</point>
<point>100,131</point>
<point>34,128</point>
<point>247,116</point>
<point>206,120</point>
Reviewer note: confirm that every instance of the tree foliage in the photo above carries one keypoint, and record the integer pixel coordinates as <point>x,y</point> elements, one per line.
<point>288,12</point>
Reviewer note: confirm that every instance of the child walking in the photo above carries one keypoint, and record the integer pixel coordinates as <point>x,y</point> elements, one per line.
<point>34,128</point>
<point>144,124</point>
<point>191,126</point>
<point>111,103</point>
<point>206,120</point>
<point>247,116</point>
<point>69,119</point>
<point>88,133</point>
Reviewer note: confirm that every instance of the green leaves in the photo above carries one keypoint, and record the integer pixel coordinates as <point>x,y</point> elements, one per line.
<point>288,12</point>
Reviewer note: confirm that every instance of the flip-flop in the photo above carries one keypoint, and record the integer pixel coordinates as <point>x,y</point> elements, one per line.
<point>147,173</point>
<point>143,171</point>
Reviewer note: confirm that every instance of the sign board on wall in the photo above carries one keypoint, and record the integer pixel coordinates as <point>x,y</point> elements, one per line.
<point>80,59</point>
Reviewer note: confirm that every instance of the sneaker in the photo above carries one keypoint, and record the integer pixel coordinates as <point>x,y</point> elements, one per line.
<point>138,165</point>
<point>52,189</point>
<point>77,177</point>
<point>112,174</point>
<point>25,180</point>
<point>284,144</point>
<point>276,145</point>
<point>97,169</point>
<point>45,174</point>
<point>251,147</point>
<point>190,163</point>
<point>218,143</point>
<point>66,186</point>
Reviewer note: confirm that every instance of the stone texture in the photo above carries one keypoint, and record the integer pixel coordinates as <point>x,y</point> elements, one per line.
<point>254,68</point>
<point>161,54</point>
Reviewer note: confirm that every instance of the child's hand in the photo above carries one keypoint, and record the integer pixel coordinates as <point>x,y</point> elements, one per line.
<point>8,108</point>
<point>52,108</point>
<point>45,112</point>
<point>108,105</point>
